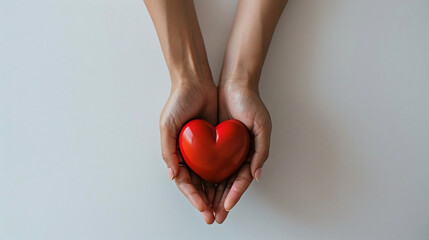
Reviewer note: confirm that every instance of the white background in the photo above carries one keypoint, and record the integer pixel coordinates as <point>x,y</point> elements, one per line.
<point>82,84</point>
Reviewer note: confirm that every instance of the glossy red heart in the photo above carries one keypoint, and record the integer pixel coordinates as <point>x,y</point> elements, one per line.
<point>214,153</point>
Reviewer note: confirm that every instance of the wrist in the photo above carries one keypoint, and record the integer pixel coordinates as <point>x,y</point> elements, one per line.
<point>191,65</point>
<point>191,77</point>
<point>193,80</point>
<point>234,86</point>
<point>190,73</point>
<point>239,79</point>
<point>238,72</point>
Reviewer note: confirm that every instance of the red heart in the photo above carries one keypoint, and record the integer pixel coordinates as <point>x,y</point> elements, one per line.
<point>214,153</point>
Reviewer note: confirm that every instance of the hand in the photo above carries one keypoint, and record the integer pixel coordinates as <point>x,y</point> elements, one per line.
<point>240,101</point>
<point>181,41</point>
<point>188,99</point>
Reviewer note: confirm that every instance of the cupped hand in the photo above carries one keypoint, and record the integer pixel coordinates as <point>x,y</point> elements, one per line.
<point>189,99</point>
<point>238,100</point>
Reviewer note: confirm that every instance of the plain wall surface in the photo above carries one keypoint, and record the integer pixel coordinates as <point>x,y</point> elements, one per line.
<point>82,84</point>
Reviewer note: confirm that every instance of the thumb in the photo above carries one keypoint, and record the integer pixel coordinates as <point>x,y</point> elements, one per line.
<point>262,148</point>
<point>169,149</point>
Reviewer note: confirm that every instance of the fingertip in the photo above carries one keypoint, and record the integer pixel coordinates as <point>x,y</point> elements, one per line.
<point>201,207</point>
<point>221,216</point>
<point>258,174</point>
<point>220,220</point>
<point>172,162</point>
<point>208,216</point>
<point>228,205</point>
<point>170,174</point>
<point>256,163</point>
<point>198,203</point>
<point>231,200</point>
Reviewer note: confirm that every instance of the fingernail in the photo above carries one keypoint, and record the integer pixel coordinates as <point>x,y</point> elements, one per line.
<point>258,174</point>
<point>170,174</point>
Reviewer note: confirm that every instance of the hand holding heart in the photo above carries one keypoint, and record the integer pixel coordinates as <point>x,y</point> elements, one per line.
<point>241,102</point>
<point>190,101</point>
<point>190,98</point>
<point>195,96</point>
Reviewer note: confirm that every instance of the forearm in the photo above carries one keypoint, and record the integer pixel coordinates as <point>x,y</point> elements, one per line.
<point>250,38</point>
<point>180,37</point>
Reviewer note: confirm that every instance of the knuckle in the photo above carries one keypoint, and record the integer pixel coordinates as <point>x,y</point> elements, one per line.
<point>179,184</point>
<point>236,190</point>
<point>265,154</point>
<point>165,156</point>
<point>263,126</point>
<point>269,124</point>
<point>163,122</point>
<point>167,123</point>
<point>244,178</point>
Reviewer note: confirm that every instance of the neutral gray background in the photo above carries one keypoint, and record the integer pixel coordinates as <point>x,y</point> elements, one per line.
<point>82,84</point>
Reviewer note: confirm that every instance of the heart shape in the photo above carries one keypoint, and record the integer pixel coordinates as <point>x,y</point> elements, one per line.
<point>214,153</point>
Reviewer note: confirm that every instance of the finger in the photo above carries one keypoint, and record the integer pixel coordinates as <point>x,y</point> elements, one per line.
<point>168,146</point>
<point>221,213</point>
<point>210,190</point>
<point>218,194</point>
<point>208,216</point>
<point>242,181</point>
<point>208,213</point>
<point>196,180</point>
<point>261,151</point>
<point>184,183</point>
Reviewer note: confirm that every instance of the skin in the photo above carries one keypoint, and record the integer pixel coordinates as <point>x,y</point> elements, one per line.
<point>238,92</point>
<point>195,95</point>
